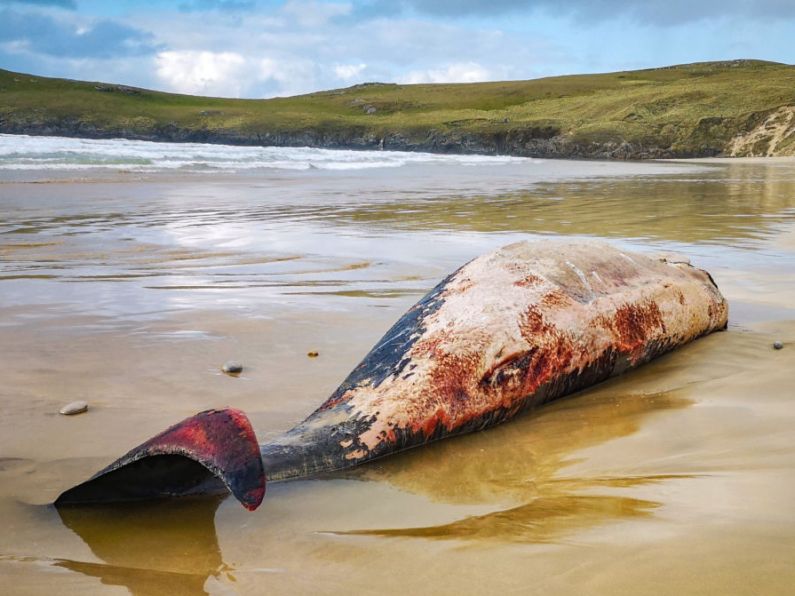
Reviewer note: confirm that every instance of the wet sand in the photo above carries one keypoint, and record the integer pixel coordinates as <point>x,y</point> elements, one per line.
<point>130,291</point>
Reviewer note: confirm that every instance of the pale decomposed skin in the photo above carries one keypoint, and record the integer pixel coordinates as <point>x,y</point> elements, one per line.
<point>515,328</point>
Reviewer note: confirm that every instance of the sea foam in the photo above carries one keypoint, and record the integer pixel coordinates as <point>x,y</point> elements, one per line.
<point>23,152</point>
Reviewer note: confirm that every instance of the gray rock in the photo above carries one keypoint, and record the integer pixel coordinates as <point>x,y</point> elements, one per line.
<point>777,345</point>
<point>232,368</point>
<point>75,407</point>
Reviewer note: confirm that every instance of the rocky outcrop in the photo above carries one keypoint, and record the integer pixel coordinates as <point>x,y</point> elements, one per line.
<point>775,135</point>
<point>767,134</point>
<point>518,142</point>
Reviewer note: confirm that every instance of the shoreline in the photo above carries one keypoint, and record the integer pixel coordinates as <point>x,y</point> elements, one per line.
<point>463,177</point>
<point>511,144</point>
<point>605,155</point>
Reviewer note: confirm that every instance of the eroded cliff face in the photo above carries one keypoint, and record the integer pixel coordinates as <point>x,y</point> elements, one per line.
<point>774,136</point>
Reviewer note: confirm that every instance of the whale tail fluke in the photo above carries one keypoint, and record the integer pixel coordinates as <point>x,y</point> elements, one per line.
<point>213,452</point>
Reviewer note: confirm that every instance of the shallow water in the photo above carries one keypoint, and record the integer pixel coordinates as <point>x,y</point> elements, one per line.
<point>130,289</point>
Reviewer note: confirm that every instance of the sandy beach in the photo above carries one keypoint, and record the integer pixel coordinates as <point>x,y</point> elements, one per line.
<point>129,289</point>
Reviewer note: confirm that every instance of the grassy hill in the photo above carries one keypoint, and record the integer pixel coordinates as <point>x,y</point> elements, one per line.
<point>741,107</point>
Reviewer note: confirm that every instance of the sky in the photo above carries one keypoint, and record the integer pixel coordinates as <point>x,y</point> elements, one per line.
<point>267,48</point>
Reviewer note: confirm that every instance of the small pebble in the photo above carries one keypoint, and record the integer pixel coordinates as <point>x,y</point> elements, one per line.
<point>76,407</point>
<point>777,345</point>
<point>232,368</point>
<point>313,354</point>
<point>673,258</point>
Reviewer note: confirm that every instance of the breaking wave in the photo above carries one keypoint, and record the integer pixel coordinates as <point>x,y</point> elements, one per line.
<point>23,152</point>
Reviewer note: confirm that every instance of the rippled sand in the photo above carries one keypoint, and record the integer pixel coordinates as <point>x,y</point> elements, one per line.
<point>130,292</point>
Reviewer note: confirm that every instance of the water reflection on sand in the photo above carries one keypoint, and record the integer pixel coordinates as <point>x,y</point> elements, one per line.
<point>130,293</point>
<point>160,547</point>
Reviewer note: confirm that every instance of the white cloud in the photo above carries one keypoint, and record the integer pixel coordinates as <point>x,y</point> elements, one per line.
<point>202,72</point>
<point>269,69</point>
<point>284,57</point>
<point>15,47</point>
<point>313,14</point>
<point>461,72</point>
<point>284,47</point>
<point>293,75</point>
<point>348,72</point>
<point>285,50</point>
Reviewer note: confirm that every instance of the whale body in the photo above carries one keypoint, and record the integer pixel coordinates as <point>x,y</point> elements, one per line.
<point>505,333</point>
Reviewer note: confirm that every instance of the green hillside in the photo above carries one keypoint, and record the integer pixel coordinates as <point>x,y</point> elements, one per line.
<point>741,107</point>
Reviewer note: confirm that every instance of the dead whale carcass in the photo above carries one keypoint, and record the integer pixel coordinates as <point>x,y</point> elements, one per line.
<point>509,330</point>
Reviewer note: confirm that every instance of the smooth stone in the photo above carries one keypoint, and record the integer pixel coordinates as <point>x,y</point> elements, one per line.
<point>232,368</point>
<point>777,345</point>
<point>75,407</point>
